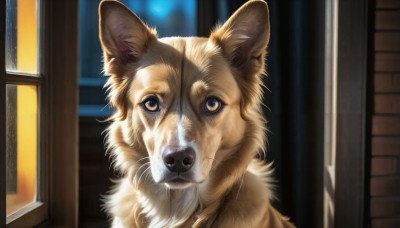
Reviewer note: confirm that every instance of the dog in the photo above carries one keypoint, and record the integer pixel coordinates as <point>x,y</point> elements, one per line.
<point>188,124</point>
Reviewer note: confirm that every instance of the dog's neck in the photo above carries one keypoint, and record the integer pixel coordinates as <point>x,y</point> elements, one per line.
<point>173,207</point>
<point>168,207</point>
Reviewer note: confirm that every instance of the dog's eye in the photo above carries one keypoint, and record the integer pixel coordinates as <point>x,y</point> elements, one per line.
<point>212,105</point>
<point>151,104</point>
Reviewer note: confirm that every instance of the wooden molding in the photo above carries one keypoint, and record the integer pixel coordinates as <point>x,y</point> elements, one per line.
<point>353,22</point>
<point>62,72</point>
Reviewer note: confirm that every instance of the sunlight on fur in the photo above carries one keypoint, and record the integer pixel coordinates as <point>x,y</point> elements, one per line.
<point>188,123</point>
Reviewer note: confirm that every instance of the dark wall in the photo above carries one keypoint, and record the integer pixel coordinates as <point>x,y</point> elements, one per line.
<point>95,172</point>
<point>296,111</point>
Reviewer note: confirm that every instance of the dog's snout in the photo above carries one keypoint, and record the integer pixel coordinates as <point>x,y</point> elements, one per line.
<point>179,160</point>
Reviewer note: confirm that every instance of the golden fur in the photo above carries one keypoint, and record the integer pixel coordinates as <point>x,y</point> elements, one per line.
<point>227,186</point>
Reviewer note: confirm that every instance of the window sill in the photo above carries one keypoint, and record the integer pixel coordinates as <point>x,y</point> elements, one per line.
<point>28,216</point>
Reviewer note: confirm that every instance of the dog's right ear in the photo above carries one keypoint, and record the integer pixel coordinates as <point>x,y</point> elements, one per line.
<point>244,37</point>
<point>123,35</point>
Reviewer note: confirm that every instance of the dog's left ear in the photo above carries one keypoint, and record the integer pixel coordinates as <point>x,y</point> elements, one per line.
<point>122,34</point>
<point>245,36</point>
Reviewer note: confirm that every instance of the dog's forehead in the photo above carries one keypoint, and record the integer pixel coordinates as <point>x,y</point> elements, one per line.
<point>192,53</point>
<point>191,64</point>
<point>192,58</point>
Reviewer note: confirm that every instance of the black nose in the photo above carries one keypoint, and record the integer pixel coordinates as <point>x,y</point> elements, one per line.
<point>180,160</point>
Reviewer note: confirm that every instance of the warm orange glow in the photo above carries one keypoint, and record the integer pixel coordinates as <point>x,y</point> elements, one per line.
<point>27,140</point>
<point>27,108</point>
<point>27,98</point>
<point>26,36</point>
<point>26,148</point>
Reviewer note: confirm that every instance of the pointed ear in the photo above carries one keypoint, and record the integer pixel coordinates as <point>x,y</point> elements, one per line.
<point>245,36</point>
<point>123,35</point>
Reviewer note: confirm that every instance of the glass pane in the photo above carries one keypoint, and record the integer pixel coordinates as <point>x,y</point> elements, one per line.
<point>21,145</point>
<point>21,36</point>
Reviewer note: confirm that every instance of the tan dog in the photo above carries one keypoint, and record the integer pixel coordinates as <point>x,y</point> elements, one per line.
<point>188,123</point>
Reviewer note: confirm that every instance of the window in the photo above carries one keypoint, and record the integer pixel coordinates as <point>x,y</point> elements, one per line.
<point>23,85</point>
<point>38,118</point>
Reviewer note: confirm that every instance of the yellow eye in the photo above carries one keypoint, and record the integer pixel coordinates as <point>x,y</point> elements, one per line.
<point>151,104</point>
<point>212,105</point>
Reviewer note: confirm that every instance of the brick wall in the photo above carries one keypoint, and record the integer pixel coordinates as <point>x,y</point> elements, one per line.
<point>385,140</point>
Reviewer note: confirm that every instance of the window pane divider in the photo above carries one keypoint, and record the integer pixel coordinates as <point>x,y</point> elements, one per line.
<point>23,78</point>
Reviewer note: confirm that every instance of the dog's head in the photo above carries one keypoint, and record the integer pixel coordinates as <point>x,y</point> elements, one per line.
<point>184,103</point>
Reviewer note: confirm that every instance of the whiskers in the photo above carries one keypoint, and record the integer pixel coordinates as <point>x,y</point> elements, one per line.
<point>142,173</point>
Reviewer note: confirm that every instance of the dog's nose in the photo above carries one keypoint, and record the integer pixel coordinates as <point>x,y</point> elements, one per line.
<point>179,160</point>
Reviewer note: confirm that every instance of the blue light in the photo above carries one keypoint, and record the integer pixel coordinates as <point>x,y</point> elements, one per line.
<point>170,17</point>
<point>160,9</point>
